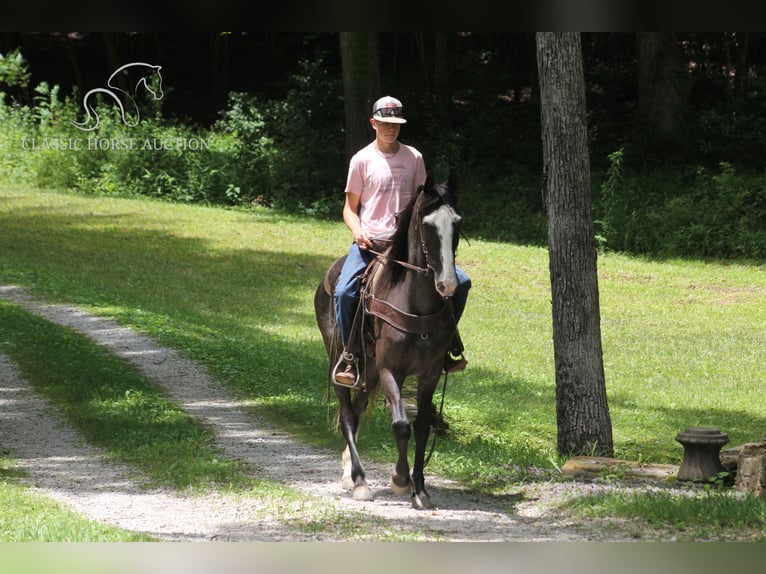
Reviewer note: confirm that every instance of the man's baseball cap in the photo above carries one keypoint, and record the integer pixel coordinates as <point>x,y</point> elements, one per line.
<point>388,109</point>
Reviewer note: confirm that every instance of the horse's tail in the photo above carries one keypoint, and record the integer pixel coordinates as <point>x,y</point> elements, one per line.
<point>333,356</point>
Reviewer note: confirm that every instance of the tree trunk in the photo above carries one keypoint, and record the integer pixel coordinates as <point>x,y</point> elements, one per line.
<point>76,70</point>
<point>441,79</point>
<point>740,79</point>
<point>114,59</point>
<point>584,424</point>
<point>361,84</point>
<point>663,84</point>
<point>219,64</point>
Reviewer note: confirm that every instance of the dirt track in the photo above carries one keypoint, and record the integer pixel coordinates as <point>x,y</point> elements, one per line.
<point>62,466</point>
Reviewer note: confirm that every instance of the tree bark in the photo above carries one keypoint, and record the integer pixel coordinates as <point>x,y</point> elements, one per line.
<point>740,79</point>
<point>114,59</point>
<point>583,422</point>
<point>441,79</point>
<point>361,84</point>
<point>219,64</point>
<point>663,84</point>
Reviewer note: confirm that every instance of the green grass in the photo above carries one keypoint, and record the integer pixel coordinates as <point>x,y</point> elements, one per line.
<point>682,340</point>
<point>113,406</point>
<point>28,517</point>
<point>708,515</point>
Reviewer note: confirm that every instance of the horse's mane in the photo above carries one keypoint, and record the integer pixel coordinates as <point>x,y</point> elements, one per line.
<point>426,200</point>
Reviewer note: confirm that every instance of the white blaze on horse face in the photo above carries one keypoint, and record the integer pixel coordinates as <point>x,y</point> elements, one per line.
<point>443,221</point>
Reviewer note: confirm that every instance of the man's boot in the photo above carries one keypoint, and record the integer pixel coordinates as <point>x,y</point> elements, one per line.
<point>455,361</point>
<point>346,373</point>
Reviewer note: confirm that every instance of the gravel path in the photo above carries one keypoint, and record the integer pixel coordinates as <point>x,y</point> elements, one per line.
<point>62,466</point>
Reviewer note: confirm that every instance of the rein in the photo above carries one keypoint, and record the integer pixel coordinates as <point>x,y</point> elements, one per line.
<point>441,408</point>
<point>405,264</point>
<point>420,270</point>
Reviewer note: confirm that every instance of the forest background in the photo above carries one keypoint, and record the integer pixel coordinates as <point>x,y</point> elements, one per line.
<point>675,124</point>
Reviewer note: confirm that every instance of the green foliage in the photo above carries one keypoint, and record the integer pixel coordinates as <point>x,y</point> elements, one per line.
<point>14,71</point>
<point>292,149</point>
<point>286,154</point>
<point>505,208</point>
<point>711,215</point>
<point>245,127</point>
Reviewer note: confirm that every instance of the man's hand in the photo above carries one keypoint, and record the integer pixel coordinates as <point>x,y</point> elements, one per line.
<point>351,217</point>
<point>362,240</point>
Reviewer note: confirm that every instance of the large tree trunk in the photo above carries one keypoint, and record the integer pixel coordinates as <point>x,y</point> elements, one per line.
<point>114,59</point>
<point>219,64</point>
<point>663,84</point>
<point>442,79</point>
<point>584,424</point>
<point>361,84</point>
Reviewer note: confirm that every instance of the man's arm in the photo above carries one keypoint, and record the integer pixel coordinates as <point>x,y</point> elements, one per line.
<point>351,217</point>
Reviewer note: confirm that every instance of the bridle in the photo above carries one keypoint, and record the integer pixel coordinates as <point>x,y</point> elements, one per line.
<point>429,268</point>
<point>420,270</point>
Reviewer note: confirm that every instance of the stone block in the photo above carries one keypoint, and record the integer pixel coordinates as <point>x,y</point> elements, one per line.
<point>751,469</point>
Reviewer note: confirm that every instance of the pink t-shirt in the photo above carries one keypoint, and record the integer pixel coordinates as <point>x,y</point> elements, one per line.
<point>386,185</point>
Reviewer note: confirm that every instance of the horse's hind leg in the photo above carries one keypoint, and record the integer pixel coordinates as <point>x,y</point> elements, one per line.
<point>350,412</point>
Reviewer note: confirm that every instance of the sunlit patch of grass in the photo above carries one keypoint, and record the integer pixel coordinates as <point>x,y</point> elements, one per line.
<point>112,405</point>
<point>28,517</point>
<point>710,514</point>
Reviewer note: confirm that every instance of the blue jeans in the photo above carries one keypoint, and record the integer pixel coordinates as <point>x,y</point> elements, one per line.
<point>347,290</point>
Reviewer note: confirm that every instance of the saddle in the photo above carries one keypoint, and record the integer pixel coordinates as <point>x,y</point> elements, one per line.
<point>360,336</point>
<point>361,339</point>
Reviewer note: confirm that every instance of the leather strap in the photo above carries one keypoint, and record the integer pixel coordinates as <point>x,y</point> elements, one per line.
<point>415,324</point>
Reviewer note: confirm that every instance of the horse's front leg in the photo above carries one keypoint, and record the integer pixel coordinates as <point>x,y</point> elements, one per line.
<point>350,413</point>
<point>400,426</point>
<point>422,429</point>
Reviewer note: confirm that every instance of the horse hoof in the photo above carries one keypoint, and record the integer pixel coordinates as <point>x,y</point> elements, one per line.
<point>421,501</point>
<point>362,492</point>
<point>405,488</point>
<point>347,483</point>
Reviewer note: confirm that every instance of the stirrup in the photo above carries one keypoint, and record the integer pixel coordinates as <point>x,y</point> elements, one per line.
<point>346,358</point>
<point>454,363</point>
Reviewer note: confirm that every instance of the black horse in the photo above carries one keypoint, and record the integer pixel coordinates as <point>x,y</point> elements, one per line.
<point>410,323</point>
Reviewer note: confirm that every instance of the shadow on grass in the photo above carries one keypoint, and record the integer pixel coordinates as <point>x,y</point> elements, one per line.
<point>247,314</point>
<point>667,422</point>
<point>106,399</point>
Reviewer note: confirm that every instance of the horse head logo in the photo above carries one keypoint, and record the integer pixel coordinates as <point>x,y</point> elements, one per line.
<point>148,76</point>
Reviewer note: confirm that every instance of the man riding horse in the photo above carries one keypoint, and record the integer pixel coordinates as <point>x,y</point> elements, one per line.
<point>383,177</point>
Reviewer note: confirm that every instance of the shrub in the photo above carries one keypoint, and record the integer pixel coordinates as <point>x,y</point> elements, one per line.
<point>681,213</point>
<point>294,148</point>
<point>287,154</point>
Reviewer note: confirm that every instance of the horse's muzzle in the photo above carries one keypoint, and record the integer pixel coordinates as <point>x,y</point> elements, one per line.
<point>446,287</point>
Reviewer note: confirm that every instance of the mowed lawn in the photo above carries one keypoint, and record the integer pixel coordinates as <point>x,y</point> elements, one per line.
<point>683,340</point>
